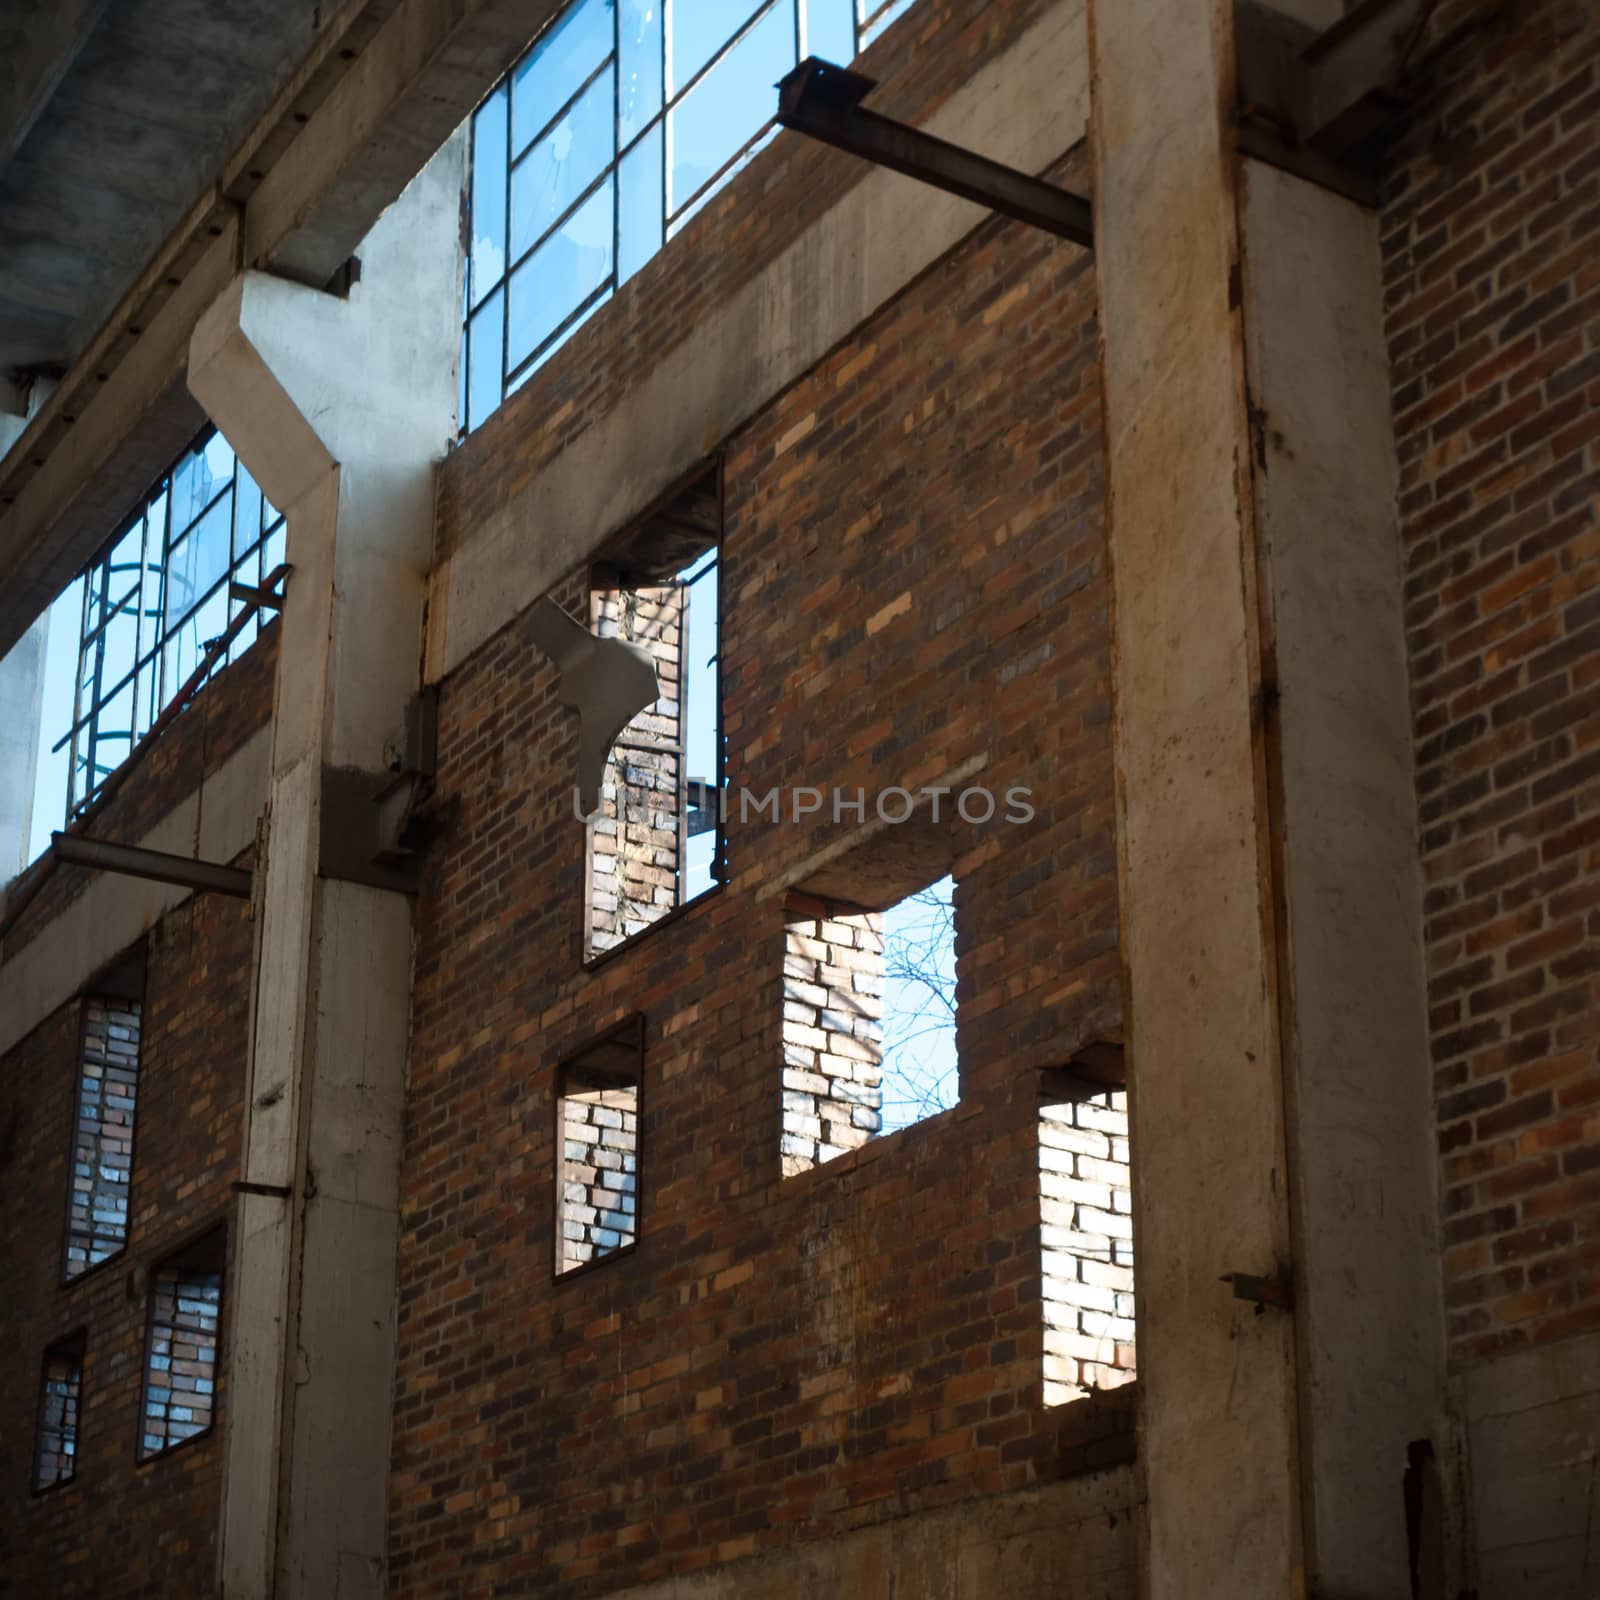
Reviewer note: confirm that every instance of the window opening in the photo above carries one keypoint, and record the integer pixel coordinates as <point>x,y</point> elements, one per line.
<point>181,1346</point>
<point>102,1133</point>
<point>55,1455</point>
<point>597,1136</point>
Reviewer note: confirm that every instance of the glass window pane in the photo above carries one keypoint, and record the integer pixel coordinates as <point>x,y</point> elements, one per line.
<point>555,344</point>
<point>727,107</point>
<point>546,78</point>
<point>561,274</point>
<point>199,560</point>
<point>639,205</point>
<point>699,29</point>
<point>121,643</point>
<point>640,92</point>
<point>483,360</point>
<point>489,194</point>
<point>562,164</point>
<point>272,549</point>
<point>246,513</point>
<point>197,480</point>
<point>148,709</point>
<point>830,30</point>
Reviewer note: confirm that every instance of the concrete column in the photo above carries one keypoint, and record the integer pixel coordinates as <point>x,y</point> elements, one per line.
<point>21,701</point>
<point>340,409</point>
<point>1270,898</point>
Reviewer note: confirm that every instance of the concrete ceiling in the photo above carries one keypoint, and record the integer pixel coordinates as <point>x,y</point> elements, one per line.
<point>114,116</point>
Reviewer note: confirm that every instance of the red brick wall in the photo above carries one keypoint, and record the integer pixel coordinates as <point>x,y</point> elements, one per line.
<point>1491,238</point>
<point>119,1529</point>
<point>913,574</point>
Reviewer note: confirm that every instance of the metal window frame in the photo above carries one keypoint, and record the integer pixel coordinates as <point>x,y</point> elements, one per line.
<point>84,735</point>
<point>865,29</point>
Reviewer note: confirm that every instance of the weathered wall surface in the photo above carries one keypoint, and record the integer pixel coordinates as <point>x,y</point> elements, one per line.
<point>1491,241</point>
<point>913,577</point>
<point>120,1528</point>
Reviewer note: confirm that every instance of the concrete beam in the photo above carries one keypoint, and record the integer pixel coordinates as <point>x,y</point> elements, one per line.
<point>1362,1154</point>
<point>340,409</point>
<point>882,233</point>
<point>22,694</point>
<point>41,43</point>
<point>1219,1439</point>
<point>385,86</point>
<point>1271,896</point>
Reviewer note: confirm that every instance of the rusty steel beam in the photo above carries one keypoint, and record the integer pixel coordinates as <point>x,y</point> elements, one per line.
<point>133,861</point>
<point>824,101</point>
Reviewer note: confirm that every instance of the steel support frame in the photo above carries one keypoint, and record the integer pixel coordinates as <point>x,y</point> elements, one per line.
<point>133,861</point>
<point>824,101</point>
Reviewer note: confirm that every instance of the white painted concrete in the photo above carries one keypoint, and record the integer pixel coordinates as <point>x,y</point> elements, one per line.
<point>341,410</point>
<point>875,240</point>
<point>1362,1157</point>
<point>21,696</point>
<point>215,823</point>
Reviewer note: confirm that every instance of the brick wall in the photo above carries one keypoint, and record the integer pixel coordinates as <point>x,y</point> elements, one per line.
<point>913,577</point>
<point>599,1173</point>
<point>1086,1246</point>
<point>120,1528</point>
<point>832,1038</point>
<point>1492,299</point>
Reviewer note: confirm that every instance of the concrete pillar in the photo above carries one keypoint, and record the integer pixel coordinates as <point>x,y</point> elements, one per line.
<point>1270,889</point>
<point>21,702</point>
<point>340,409</point>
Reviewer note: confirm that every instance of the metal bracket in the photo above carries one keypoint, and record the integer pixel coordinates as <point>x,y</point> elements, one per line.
<point>1276,1291</point>
<point>824,101</point>
<point>1308,101</point>
<point>369,820</point>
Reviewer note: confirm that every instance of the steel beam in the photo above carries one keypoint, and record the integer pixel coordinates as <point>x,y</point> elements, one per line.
<point>824,101</point>
<point>135,862</point>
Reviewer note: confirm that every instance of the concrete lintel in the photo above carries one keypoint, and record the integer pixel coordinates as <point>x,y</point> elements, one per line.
<point>217,821</point>
<point>881,234</point>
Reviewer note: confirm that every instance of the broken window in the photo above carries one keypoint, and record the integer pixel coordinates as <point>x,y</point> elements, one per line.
<point>597,1138</point>
<point>102,1132</point>
<point>55,1454</point>
<point>180,1367</point>
<point>145,609</point>
<point>869,1021</point>
<point>1085,1230</point>
<point>655,843</point>
<point>616,125</point>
